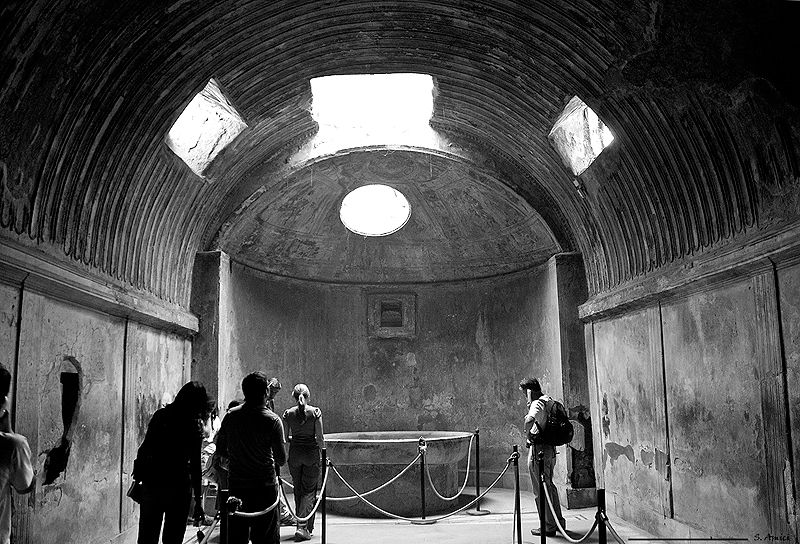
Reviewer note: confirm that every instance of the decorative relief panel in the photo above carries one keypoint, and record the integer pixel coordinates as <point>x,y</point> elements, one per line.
<point>16,199</point>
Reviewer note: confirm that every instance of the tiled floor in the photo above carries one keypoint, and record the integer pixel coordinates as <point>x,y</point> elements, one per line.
<point>495,527</point>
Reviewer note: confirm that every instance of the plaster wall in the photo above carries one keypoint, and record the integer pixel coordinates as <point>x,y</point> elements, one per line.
<point>788,281</point>
<point>688,409</point>
<point>210,295</point>
<point>9,312</point>
<point>632,436</point>
<point>83,448</point>
<point>83,499</point>
<point>715,422</point>
<point>474,341</point>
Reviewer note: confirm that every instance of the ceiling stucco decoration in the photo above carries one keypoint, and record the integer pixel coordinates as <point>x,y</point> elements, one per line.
<point>700,99</point>
<point>464,224</point>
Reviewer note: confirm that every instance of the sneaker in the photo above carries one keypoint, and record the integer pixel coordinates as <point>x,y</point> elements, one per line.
<point>538,532</point>
<point>301,534</point>
<point>287,521</point>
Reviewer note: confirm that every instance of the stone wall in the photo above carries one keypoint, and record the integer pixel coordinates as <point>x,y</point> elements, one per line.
<point>458,368</point>
<point>85,383</point>
<point>694,393</point>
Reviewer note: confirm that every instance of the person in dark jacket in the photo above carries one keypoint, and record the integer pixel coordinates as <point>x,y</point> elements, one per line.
<point>168,465</point>
<point>251,438</point>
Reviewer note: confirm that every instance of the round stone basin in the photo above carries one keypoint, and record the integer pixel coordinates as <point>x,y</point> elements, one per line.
<point>369,459</point>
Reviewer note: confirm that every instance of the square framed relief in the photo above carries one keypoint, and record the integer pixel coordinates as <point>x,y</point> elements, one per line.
<point>391,315</point>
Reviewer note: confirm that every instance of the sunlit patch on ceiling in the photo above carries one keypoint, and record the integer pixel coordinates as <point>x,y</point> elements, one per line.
<point>579,136</point>
<point>364,110</point>
<point>206,126</point>
<point>374,210</point>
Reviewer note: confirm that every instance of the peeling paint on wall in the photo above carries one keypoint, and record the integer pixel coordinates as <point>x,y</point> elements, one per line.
<point>57,457</point>
<point>615,451</point>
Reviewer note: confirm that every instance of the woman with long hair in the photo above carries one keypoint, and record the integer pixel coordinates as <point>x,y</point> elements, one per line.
<point>306,440</point>
<point>168,465</point>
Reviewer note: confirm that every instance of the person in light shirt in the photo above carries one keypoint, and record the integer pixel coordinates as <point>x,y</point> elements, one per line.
<point>539,406</point>
<point>16,471</point>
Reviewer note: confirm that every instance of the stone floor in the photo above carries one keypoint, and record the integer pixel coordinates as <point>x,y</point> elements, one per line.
<point>495,527</point>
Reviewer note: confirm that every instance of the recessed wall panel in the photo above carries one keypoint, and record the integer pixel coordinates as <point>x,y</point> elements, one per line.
<point>69,405</point>
<point>714,412</point>
<point>627,359</point>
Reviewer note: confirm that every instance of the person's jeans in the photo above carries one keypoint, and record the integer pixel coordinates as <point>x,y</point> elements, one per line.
<point>167,503</point>
<point>304,467</point>
<point>533,469</point>
<point>263,529</point>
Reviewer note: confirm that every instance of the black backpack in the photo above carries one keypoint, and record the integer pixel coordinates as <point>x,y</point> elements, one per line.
<point>558,429</point>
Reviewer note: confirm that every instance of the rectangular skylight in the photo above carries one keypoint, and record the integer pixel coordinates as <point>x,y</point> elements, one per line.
<point>579,135</point>
<point>373,109</point>
<point>207,125</point>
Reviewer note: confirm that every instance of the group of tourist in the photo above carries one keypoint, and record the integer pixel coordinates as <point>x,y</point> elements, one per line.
<point>251,446</point>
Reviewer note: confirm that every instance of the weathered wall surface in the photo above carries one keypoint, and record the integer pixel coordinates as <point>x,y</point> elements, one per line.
<point>788,282</point>
<point>691,397</point>
<point>85,386</point>
<point>9,312</point>
<point>156,366</point>
<point>78,451</point>
<point>715,423</point>
<point>633,455</point>
<point>474,341</point>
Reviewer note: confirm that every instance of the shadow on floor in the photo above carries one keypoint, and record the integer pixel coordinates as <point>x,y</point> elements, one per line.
<point>497,526</point>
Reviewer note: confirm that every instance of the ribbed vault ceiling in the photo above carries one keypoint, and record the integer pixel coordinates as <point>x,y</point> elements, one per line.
<point>705,150</point>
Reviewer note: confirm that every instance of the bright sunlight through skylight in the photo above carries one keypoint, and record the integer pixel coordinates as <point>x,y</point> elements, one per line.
<point>372,110</point>
<point>580,135</point>
<point>204,128</point>
<point>374,210</point>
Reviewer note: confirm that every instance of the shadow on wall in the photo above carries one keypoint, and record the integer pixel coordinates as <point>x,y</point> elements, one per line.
<point>71,378</point>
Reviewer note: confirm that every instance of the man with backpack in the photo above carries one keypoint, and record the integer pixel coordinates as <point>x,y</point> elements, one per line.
<point>542,407</point>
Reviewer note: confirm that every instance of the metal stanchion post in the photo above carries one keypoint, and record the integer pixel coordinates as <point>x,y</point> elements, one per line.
<point>223,515</point>
<point>478,511</point>
<point>542,499</point>
<point>601,516</point>
<point>517,507</point>
<point>422,448</point>
<point>324,493</point>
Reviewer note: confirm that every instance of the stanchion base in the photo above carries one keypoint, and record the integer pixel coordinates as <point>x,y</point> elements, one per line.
<point>478,512</point>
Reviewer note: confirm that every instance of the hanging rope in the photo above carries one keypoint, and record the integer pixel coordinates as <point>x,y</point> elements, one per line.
<point>466,475</point>
<point>612,530</point>
<point>429,521</point>
<point>564,531</point>
<point>254,514</point>
<point>408,467</point>
<point>316,503</point>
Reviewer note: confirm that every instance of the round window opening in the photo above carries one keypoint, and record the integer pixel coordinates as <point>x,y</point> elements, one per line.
<point>374,210</point>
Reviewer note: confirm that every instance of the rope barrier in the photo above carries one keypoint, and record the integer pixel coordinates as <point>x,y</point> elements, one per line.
<point>466,476</point>
<point>253,514</point>
<point>202,537</point>
<point>558,523</point>
<point>393,480</point>
<point>426,521</point>
<point>316,503</point>
<point>233,503</point>
<point>612,530</point>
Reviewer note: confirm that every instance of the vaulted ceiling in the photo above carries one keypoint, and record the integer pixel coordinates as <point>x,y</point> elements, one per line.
<point>702,109</point>
<point>463,224</point>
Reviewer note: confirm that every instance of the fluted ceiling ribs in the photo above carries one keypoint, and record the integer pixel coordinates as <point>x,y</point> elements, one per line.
<point>705,147</point>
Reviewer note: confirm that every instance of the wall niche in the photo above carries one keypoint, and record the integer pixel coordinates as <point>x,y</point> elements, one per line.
<point>391,315</point>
